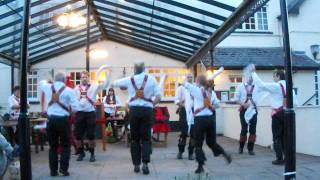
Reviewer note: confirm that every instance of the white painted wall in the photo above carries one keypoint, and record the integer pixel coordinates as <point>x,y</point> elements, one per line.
<point>5,88</point>
<point>303,81</point>
<point>120,56</point>
<point>307,127</point>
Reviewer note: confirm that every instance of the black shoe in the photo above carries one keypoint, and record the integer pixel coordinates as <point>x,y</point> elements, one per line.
<point>81,156</point>
<point>227,157</point>
<point>199,169</point>
<point>92,158</point>
<point>240,151</point>
<point>179,155</point>
<point>191,157</point>
<point>64,173</point>
<point>278,162</point>
<point>251,153</point>
<point>136,168</point>
<point>145,169</point>
<point>53,173</point>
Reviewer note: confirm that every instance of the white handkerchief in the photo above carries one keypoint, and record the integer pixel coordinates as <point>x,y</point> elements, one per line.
<point>250,112</point>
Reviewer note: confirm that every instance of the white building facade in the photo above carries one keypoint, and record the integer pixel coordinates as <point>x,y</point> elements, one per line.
<point>261,31</point>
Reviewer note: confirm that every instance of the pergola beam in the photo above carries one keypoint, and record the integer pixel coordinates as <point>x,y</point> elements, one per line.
<point>243,12</point>
<point>97,18</point>
<point>68,48</point>
<point>9,58</point>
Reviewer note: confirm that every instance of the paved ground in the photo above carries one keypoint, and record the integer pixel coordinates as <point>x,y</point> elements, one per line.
<point>115,163</point>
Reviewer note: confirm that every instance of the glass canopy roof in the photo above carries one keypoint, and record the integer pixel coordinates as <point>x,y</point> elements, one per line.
<point>174,28</point>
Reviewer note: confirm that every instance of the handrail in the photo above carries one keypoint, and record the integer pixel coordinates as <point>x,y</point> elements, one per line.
<point>314,95</point>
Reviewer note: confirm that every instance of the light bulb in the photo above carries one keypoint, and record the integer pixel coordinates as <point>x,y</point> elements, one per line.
<point>63,20</point>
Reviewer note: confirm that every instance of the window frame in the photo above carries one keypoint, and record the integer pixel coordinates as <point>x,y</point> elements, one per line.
<point>33,75</point>
<point>256,22</point>
<point>169,71</point>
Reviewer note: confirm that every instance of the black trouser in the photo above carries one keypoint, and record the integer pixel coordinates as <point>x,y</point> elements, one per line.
<point>244,130</point>
<point>85,127</point>
<point>278,134</point>
<point>184,132</point>
<point>140,126</point>
<point>58,132</point>
<point>205,128</point>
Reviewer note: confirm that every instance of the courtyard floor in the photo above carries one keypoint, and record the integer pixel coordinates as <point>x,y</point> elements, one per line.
<point>115,163</point>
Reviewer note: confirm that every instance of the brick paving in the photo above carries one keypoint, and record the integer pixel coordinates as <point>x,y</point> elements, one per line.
<point>115,163</point>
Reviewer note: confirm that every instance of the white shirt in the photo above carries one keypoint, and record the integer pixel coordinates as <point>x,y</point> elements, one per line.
<point>274,89</point>
<point>94,89</point>
<point>111,108</point>
<point>183,95</point>
<point>14,101</point>
<point>67,97</point>
<point>151,89</point>
<point>198,99</point>
<point>241,93</point>
<point>180,96</point>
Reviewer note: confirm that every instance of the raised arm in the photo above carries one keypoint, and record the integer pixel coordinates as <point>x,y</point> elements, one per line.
<point>162,80</point>
<point>217,73</point>
<point>190,87</point>
<point>156,92</point>
<point>269,87</point>
<point>106,81</point>
<point>120,83</point>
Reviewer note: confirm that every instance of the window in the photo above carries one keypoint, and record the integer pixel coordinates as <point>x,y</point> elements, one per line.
<point>75,78</point>
<point>33,86</point>
<point>261,16</point>
<point>235,81</point>
<point>258,21</point>
<point>250,23</point>
<point>175,76</point>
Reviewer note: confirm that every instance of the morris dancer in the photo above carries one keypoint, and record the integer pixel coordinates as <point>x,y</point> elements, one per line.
<point>185,104</point>
<point>142,88</point>
<point>277,91</point>
<point>86,116</point>
<point>205,103</point>
<point>59,100</point>
<point>247,95</point>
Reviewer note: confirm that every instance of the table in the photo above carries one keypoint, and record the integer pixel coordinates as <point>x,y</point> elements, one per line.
<point>35,133</point>
<point>117,126</point>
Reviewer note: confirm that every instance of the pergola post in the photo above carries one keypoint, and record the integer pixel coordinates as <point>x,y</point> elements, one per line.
<point>24,128</point>
<point>88,38</point>
<point>12,76</point>
<point>289,122</point>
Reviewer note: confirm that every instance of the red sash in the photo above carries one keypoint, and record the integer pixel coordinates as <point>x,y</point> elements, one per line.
<point>139,91</point>
<point>55,98</point>
<point>84,94</point>
<point>249,97</point>
<point>284,102</point>
<point>206,102</point>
